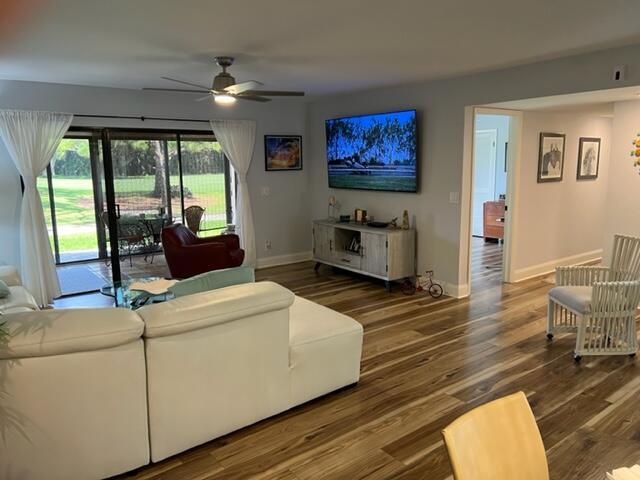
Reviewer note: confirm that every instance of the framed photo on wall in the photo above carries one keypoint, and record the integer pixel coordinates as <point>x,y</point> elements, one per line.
<point>282,152</point>
<point>588,158</point>
<point>551,157</point>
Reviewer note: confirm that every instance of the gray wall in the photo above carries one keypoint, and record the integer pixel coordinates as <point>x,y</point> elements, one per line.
<point>282,216</point>
<point>559,221</point>
<point>441,107</point>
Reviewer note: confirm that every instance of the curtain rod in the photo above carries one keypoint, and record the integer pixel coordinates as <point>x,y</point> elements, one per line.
<point>142,118</point>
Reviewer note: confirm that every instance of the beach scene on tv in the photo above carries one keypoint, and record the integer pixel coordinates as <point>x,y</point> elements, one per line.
<point>373,152</point>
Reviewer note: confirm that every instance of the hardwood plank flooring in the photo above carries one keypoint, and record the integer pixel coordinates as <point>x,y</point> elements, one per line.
<point>425,362</point>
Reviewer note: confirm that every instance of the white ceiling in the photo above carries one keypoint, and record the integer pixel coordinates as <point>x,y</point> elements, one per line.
<point>321,46</point>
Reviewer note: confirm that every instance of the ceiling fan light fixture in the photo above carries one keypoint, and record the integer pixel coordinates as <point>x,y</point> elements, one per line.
<point>225,99</point>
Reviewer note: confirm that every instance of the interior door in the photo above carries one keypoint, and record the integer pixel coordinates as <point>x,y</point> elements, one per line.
<point>484,175</point>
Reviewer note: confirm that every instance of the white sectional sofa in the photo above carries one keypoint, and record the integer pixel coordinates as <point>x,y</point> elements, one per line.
<point>98,392</point>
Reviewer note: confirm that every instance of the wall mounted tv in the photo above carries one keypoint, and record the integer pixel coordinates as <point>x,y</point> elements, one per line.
<point>373,152</point>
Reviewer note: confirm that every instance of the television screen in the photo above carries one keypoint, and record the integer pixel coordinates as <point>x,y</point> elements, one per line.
<point>373,152</point>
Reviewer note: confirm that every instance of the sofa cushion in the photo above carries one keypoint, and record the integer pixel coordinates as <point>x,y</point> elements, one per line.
<point>4,290</point>
<point>324,350</point>
<point>55,332</point>
<point>19,298</point>
<point>202,310</point>
<point>9,275</point>
<point>213,280</point>
<point>577,299</point>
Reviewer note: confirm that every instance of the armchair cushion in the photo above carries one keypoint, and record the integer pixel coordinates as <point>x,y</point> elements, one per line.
<point>213,280</point>
<point>577,299</point>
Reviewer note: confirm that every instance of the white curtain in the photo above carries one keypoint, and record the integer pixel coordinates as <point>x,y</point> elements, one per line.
<point>31,139</point>
<point>237,139</point>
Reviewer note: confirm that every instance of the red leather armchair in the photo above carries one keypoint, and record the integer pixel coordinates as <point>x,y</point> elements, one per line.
<point>188,255</point>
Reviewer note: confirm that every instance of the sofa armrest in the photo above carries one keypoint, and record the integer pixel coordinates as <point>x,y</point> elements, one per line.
<point>57,332</point>
<point>202,310</point>
<point>9,275</point>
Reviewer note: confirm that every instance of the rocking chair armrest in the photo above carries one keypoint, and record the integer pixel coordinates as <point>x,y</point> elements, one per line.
<point>583,276</point>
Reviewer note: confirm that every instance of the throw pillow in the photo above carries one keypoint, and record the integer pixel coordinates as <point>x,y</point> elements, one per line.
<point>4,290</point>
<point>213,280</point>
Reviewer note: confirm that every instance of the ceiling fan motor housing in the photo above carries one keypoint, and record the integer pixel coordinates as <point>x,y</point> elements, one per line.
<point>222,81</point>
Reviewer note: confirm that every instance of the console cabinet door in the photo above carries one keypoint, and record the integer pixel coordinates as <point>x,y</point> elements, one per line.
<point>374,255</point>
<point>322,242</point>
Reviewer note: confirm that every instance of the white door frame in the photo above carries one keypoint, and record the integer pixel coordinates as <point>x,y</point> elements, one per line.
<point>514,154</point>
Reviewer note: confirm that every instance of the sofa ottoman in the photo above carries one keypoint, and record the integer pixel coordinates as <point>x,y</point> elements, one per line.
<point>324,350</point>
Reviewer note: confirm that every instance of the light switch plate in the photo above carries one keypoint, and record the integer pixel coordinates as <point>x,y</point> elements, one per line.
<point>454,197</point>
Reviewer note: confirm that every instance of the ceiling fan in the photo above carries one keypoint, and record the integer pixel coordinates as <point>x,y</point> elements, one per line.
<point>225,90</point>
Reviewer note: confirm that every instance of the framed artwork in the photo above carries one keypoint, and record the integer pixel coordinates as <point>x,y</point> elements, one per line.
<point>551,157</point>
<point>588,158</point>
<point>282,152</point>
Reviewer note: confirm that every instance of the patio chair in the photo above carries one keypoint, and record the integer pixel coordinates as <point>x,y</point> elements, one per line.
<point>133,237</point>
<point>193,216</point>
<point>599,303</point>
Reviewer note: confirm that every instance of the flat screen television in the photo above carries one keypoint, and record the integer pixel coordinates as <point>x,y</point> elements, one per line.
<point>373,152</point>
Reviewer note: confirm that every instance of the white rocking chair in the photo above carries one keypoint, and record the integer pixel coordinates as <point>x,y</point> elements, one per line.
<point>599,303</point>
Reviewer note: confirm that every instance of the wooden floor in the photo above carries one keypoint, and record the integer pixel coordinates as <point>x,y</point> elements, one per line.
<point>425,362</point>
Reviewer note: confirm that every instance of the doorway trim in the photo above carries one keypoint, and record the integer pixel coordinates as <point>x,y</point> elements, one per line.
<point>514,155</point>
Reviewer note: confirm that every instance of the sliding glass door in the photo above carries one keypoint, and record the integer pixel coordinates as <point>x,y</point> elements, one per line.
<point>108,193</point>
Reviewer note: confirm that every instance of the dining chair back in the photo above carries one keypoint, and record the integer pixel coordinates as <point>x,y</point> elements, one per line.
<point>499,440</point>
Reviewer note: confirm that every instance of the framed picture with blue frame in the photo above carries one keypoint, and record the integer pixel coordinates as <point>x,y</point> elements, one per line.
<point>282,152</point>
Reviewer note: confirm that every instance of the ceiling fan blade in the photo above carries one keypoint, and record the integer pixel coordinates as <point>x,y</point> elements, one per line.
<point>175,90</point>
<point>254,98</point>
<point>243,87</point>
<point>275,93</point>
<point>185,83</point>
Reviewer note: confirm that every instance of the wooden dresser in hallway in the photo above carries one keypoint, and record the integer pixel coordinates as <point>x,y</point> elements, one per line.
<point>494,220</point>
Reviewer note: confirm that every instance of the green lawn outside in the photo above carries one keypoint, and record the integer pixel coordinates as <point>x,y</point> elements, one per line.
<point>74,202</point>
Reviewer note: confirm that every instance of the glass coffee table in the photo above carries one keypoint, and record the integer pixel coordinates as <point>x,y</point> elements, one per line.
<point>126,297</point>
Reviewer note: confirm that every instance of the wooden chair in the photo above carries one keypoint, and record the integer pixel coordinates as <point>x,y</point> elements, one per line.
<point>599,303</point>
<point>497,441</point>
<point>193,217</point>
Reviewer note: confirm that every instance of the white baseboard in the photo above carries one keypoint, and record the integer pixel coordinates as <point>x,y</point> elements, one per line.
<point>456,291</point>
<point>549,267</point>
<point>265,262</point>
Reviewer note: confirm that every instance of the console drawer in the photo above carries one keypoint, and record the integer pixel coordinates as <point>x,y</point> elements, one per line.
<point>348,260</point>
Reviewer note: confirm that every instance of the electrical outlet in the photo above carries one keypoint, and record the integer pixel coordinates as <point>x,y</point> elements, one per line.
<point>265,191</point>
<point>267,245</point>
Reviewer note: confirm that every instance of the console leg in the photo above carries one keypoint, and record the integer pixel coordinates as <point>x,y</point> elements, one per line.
<point>316,267</point>
<point>387,285</point>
